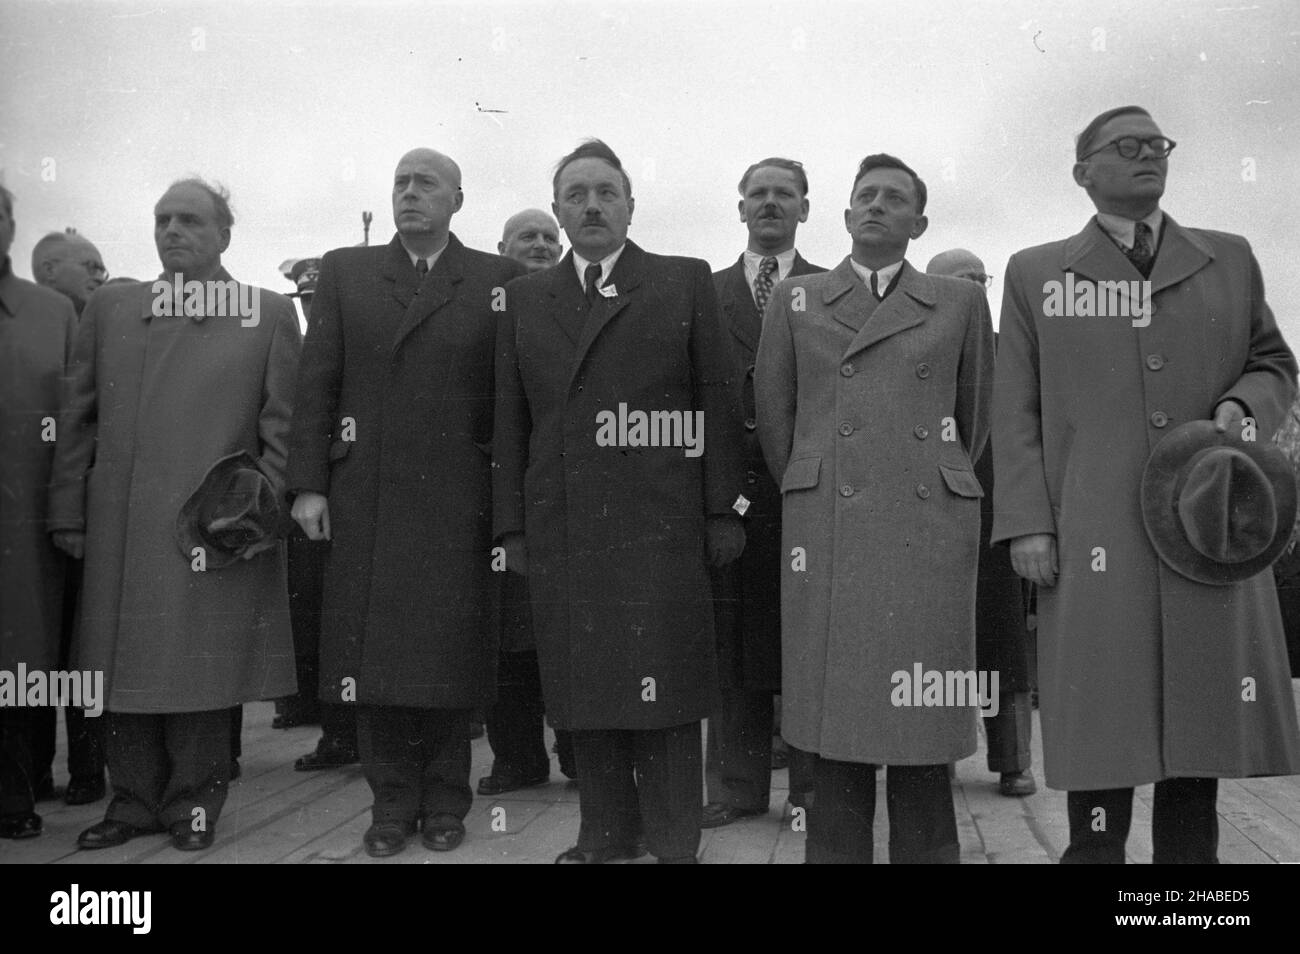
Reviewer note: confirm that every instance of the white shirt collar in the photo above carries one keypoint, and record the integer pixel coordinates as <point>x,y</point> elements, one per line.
<point>606,265</point>
<point>431,259</point>
<point>1121,229</point>
<point>885,275</point>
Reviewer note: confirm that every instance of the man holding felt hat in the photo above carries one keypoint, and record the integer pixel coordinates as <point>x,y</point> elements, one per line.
<point>1137,487</point>
<point>168,477</point>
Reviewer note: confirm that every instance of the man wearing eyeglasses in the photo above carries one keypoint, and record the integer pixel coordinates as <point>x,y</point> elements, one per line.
<point>69,264</point>
<point>1145,674</point>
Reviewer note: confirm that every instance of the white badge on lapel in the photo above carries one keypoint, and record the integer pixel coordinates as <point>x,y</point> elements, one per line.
<point>607,291</point>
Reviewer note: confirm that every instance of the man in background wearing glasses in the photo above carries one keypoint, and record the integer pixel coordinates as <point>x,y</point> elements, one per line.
<point>1145,674</point>
<point>69,264</point>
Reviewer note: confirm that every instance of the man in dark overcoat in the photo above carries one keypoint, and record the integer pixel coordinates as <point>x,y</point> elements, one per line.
<point>1145,674</point>
<point>773,201</point>
<point>390,460</point>
<point>1001,597</point>
<point>37,329</point>
<point>163,387</point>
<point>618,464</point>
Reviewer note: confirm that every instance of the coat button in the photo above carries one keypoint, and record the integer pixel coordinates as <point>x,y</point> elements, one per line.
<point>1159,418</point>
<point>846,428</point>
<point>1155,362</point>
<point>751,477</point>
<point>846,370</point>
<point>921,432</point>
<point>750,424</point>
<point>922,491</point>
<point>922,370</point>
<point>846,490</point>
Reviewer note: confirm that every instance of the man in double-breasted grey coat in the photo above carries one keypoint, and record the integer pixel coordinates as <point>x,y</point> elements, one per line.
<point>161,389</point>
<point>617,458</point>
<point>872,387</point>
<point>747,592</point>
<point>390,460</point>
<point>37,328</point>
<point>1141,670</point>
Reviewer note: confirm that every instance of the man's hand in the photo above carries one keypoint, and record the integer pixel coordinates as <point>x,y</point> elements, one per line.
<point>724,538</point>
<point>516,553</point>
<point>1033,556</point>
<point>71,542</point>
<point>312,511</point>
<point>1229,414</point>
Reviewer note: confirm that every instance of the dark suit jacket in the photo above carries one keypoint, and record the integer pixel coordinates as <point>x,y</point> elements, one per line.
<point>747,607</point>
<point>616,534</point>
<point>393,423</point>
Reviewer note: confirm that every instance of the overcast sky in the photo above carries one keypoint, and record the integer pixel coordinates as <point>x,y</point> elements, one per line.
<point>302,111</point>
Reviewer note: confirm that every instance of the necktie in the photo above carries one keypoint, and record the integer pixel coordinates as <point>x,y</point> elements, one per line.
<point>592,276</point>
<point>1143,252</point>
<point>875,285</point>
<point>421,268</point>
<point>763,282</point>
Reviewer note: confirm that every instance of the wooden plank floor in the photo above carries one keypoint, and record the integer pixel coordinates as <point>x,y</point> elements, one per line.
<point>275,814</point>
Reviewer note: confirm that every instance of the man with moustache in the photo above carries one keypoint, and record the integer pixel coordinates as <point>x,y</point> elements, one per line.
<point>173,430</point>
<point>37,329</point>
<point>390,460</point>
<point>1001,636</point>
<point>515,727</point>
<point>872,387</point>
<point>615,533</point>
<point>69,264</point>
<point>773,201</point>
<point>1157,663</point>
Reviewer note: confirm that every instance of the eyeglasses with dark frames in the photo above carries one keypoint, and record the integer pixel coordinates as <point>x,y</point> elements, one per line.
<point>1130,147</point>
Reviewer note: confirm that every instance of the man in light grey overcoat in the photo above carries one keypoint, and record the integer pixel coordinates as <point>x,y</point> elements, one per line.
<point>872,389</point>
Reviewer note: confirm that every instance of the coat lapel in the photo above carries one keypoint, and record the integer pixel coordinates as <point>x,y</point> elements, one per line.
<point>568,306</point>
<point>438,288</point>
<point>738,306</point>
<point>625,278</point>
<point>905,307</point>
<point>1182,253</point>
<point>398,274</point>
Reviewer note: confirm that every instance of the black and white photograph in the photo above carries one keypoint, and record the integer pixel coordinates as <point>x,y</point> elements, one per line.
<point>651,432</point>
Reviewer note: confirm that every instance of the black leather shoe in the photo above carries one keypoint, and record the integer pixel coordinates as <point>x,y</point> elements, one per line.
<point>577,856</point>
<point>500,783</point>
<point>387,838</point>
<point>22,825</point>
<point>1017,784</point>
<point>443,832</point>
<point>110,834</point>
<point>329,754</point>
<point>185,838</point>
<point>84,789</point>
<point>716,814</point>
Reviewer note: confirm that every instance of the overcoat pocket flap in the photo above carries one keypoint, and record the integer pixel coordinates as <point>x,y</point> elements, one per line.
<point>339,450</point>
<point>801,474</point>
<point>961,481</point>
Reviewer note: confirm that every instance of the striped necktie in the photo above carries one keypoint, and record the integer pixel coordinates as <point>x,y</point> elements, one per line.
<point>1143,252</point>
